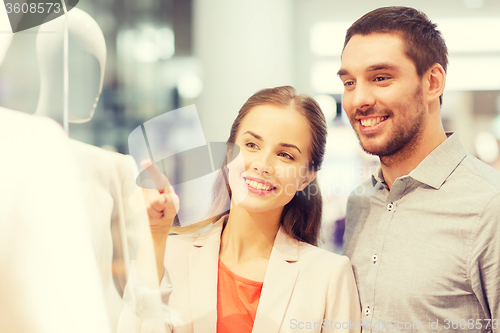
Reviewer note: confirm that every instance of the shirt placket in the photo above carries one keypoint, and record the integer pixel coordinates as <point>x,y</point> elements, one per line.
<point>389,202</point>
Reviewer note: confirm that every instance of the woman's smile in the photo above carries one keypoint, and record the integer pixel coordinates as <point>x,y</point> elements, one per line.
<point>259,186</point>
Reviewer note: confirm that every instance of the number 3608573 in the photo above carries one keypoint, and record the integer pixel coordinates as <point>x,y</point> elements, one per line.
<point>40,8</point>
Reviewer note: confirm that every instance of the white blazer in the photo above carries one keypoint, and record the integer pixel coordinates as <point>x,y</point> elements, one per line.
<point>306,289</point>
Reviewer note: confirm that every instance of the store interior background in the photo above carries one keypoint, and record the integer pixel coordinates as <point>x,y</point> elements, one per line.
<point>166,54</point>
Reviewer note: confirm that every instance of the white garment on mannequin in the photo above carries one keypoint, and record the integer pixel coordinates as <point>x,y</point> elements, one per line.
<point>50,281</point>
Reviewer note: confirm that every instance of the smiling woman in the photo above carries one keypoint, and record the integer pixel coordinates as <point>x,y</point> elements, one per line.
<point>255,268</point>
<point>282,138</point>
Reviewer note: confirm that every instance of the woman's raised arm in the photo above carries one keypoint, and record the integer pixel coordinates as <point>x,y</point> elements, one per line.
<point>162,205</point>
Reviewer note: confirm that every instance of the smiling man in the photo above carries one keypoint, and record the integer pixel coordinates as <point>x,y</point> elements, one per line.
<point>423,234</point>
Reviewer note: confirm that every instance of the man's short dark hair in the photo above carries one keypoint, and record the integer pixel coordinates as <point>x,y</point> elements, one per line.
<point>424,44</point>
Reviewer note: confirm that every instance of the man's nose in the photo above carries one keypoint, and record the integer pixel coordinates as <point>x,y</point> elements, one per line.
<point>362,97</point>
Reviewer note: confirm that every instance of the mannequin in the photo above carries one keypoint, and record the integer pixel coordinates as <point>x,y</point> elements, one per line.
<point>37,291</point>
<point>86,39</point>
<point>113,200</point>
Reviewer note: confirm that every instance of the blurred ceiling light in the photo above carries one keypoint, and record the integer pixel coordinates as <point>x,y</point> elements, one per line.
<point>189,85</point>
<point>327,38</point>
<point>324,79</point>
<point>470,34</point>
<point>145,49</point>
<point>165,41</point>
<point>328,105</point>
<point>147,44</point>
<point>487,147</point>
<point>473,3</point>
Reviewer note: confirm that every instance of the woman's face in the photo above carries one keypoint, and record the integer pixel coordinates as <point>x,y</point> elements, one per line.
<point>275,145</point>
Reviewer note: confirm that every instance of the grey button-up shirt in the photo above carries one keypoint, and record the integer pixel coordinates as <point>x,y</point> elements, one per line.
<point>426,254</point>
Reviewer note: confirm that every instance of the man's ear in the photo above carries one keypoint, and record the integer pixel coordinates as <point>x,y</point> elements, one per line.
<point>434,82</point>
<point>309,178</point>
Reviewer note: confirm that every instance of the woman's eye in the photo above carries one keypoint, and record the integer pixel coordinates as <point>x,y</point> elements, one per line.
<point>286,155</point>
<point>252,145</point>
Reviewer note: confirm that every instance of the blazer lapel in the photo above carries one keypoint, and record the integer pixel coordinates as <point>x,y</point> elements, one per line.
<point>203,263</point>
<point>279,282</point>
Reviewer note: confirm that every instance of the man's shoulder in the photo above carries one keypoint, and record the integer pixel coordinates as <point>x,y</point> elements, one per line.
<point>481,174</point>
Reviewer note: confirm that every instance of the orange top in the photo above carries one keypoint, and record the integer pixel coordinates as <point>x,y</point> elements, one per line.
<point>237,301</point>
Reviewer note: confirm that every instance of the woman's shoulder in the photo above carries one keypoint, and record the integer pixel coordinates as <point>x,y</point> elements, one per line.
<point>322,267</point>
<point>305,254</point>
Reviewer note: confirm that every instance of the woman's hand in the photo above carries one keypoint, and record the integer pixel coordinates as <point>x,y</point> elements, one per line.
<point>162,205</point>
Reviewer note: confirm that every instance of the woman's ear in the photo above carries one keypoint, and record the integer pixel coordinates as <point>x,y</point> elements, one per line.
<point>309,178</point>
<point>434,82</point>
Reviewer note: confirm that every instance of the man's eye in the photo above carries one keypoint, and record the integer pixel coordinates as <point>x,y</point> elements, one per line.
<point>252,145</point>
<point>381,78</point>
<point>348,83</point>
<point>287,156</point>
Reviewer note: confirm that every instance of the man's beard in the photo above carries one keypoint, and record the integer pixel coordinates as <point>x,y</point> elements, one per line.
<point>403,138</point>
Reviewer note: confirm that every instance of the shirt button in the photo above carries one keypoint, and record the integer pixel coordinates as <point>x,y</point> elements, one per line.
<point>367,311</point>
<point>375,257</point>
<point>390,207</point>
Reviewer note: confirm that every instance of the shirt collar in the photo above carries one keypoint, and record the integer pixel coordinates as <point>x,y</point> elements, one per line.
<point>437,166</point>
<point>378,176</point>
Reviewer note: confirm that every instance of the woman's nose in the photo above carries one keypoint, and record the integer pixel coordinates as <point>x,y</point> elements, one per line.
<point>263,165</point>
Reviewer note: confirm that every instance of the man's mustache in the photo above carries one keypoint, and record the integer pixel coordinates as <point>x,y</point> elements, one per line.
<point>372,112</point>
